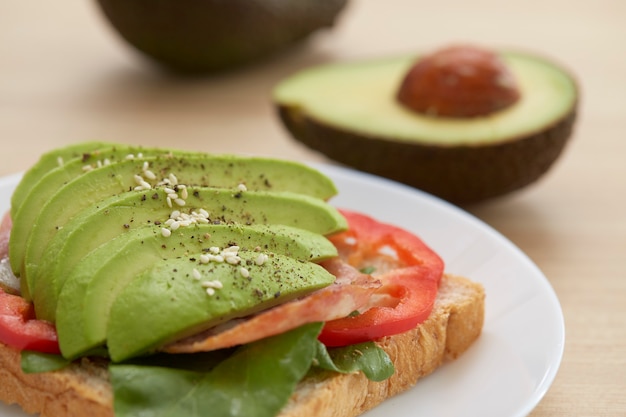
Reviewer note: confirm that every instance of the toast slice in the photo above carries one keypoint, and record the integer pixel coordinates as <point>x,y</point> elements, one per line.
<point>456,321</point>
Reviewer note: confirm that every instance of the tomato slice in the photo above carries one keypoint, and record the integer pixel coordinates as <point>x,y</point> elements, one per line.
<point>20,329</point>
<point>409,270</point>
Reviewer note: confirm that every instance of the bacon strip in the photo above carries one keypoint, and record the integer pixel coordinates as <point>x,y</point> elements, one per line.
<point>351,291</point>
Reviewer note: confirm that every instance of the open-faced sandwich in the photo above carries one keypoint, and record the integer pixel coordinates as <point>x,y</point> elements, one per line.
<point>158,282</point>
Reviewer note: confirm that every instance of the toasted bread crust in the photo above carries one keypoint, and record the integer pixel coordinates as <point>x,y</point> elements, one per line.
<point>455,323</point>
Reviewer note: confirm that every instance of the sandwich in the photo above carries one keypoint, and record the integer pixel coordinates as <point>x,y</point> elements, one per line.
<point>163,282</point>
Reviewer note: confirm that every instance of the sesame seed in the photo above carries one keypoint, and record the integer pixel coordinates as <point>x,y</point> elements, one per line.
<point>214,249</point>
<point>244,272</point>
<point>166,232</point>
<point>173,179</point>
<point>212,284</point>
<point>87,168</point>
<point>231,249</point>
<point>174,214</point>
<point>146,165</point>
<point>261,259</point>
<point>204,213</point>
<point>169,190</point>
<point>232,259</point>
<point>130,156</point>
<point>60,161</point>
<point>175,225</point>
<point>184,193</point>
<point>139,179</point>
<point>180,202</point>
<point>172,195</point>
<point>210,291</point>
<point>242,187</point>
<point>149,174</point>
<point>204,259</point>
<point>146,185</point>
<point>169,202</point>
<point>196,274</point>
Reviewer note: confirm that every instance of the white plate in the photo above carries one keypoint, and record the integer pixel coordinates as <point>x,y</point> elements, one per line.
<point>510,368</point>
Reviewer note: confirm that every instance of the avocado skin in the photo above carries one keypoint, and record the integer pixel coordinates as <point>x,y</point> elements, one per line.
<point>459,174</point>
<point>215,35</point>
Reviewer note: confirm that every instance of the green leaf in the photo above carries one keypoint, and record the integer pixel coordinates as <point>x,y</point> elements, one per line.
<point>368,270</point>
<point>255,381</point>
<point>365,357</point>
<point>35,362</point>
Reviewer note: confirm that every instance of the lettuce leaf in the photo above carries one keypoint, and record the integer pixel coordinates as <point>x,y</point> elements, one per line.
<point>365,357</point>
<point>255,381</point>
<point>33,362</point>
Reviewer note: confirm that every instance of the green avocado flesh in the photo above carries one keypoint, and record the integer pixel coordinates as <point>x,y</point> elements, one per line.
<point>46,163</point>
<point>90,288</point>
<point>101,221</point>
<point>360,97</point>
<point>121,213</point>
<point>140,315</point>
<point>43,220</point>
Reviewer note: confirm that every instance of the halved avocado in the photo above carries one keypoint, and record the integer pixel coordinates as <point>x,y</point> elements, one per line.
<point>349,112</point>
<point>215,35</point>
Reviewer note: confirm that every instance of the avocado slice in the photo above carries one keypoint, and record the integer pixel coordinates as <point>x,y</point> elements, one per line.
<point>88,291</point>
<point>168,302</point>
<point>28,241</point>
<point>47,162</point>
<point>121,213</point>
<point>349,112</point>
<point>225,170</point>
<point>211,35</point>
<point>44,179</point>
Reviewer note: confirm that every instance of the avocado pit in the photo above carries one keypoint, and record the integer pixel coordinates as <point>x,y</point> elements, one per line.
<point>459,81</point>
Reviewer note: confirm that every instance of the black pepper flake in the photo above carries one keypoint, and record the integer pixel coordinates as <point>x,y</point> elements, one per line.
<point>143,197</point>
<point>155,196</point>
<point>126,226</point>
<point>277,294</point>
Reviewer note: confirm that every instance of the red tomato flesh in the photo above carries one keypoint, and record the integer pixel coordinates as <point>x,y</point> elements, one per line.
<point>20,329</point>
<point>410,273</point>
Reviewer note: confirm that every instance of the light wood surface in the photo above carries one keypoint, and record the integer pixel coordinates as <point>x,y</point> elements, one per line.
<point>65,77</point>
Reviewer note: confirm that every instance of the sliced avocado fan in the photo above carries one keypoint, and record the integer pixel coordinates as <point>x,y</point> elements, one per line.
<point>110,230</point>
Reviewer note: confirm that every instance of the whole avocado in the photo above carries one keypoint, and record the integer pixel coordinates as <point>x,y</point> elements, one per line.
<point>204,36</point>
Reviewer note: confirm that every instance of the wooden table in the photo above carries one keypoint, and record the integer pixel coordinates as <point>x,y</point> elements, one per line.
<point>64,77</point>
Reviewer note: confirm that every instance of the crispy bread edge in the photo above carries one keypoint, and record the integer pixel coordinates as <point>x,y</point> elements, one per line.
<point>455,323</point>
